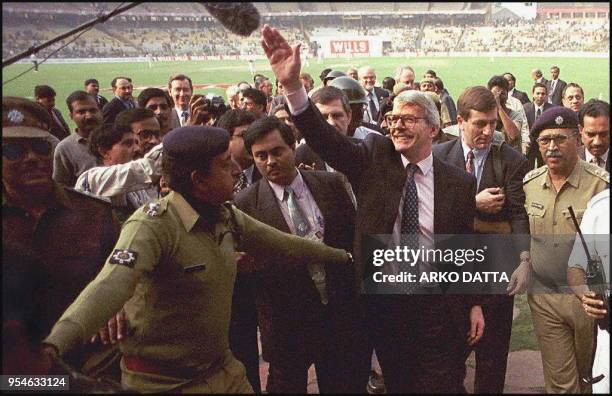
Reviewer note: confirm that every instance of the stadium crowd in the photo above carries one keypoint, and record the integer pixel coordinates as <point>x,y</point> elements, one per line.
<point>148,245</point>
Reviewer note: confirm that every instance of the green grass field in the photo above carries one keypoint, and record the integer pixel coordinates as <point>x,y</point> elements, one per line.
<point>457,73</point>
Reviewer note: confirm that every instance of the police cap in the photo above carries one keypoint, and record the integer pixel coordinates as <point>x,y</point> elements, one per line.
<point>196,143</point>
<point>334,74</point>
<point>557,117</point>
<point>353,90</point>
<point>22,118</point>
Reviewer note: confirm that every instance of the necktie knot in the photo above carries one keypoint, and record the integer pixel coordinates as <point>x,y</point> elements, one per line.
<point>288,192</point>
<point>469,164</point>
<point>597,161</point>
<point>411,170</point>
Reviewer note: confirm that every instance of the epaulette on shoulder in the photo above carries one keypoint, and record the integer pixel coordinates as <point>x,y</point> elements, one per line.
<point>534,173</point>
<point>85,194</point>
<point>155,208</point>
<point>597,171</point>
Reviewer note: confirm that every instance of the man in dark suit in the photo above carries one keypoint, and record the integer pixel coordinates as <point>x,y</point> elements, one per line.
<point>594,125</point>
<point>180,88</point>
<point>122,88</point>
<point>540,104</point>
<point>512,91</point>
<point>555,87</point>
<point>375,95</point>
<point>500,201</point>
<point>92,87</point>
<point>45,96</point>
<point>392,177</point>
<point>307,315</point>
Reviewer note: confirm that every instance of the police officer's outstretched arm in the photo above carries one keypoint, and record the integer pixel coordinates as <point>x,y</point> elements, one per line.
<point>137,252</point>
<point>264,242</point>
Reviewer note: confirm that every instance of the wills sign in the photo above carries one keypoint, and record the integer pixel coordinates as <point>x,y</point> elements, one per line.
<point>349,47</point>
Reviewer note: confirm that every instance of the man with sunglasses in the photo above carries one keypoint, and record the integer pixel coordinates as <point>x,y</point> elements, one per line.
<point>71,233</point>
<point>564,331</point>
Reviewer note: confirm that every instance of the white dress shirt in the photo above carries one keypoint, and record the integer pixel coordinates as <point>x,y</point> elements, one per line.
<point>588,157</point>
<point>179,113</point>
<point>480,157</point>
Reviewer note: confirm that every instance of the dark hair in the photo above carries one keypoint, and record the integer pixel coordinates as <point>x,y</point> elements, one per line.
<point>91,81</point>
<point>44,91</point>
<point>180,77</point>
<point>539,85</point>
<point>149,93</point>
<point>556,68</point>
<point>259,81</point>
<point>498,81</point>
<point>438,83</point>
<point>114,82</point>
<point>235,118</point>
<point>511,76</point>
<point>307,76</point>
<point>105,137</point>
<point>572,85</point>
<point>388,83</point>
<point>594,108</point>
<point>257,76</point>
<point>257,96</point>
<point>475,98</point>
<point>328,94</point>
<point>263,127</point>
<point>77,96</point>
<point>127,117</point>
<point>431,72</point>
<point>324,73</point>
<point>276,109</point>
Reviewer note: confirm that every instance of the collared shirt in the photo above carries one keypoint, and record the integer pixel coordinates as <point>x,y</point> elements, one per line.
<point>179,112</point>
<point>536,108</point>
<point>128,104</point>
<point>519,117</point>
<point>307,204</point>
<point>589,157</point>
<point>480,157</point>
<point>71,158</point>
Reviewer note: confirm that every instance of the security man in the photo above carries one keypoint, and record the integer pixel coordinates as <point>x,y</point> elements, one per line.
<point>174,268</point>
<point>564,331</point>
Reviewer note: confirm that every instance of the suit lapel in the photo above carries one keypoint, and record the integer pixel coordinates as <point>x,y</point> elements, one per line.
<point>320,193</point>
<point>269,209</point>
<point>443,197</point>
<point>395,178</point>
<point>455,155</point>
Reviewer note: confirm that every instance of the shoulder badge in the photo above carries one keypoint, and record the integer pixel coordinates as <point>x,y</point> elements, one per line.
<point>123,257</point>
<point>534,173</point>
<point>153,209</point>
<point>597,171</point>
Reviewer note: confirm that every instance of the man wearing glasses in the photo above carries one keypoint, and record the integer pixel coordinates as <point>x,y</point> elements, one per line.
<point>564,331</point>
<point>70,232</point>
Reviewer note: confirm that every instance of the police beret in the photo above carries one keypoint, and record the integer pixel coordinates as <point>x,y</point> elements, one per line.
<point>22,118</point>
<point>195,143</point>
<point>556,117</point>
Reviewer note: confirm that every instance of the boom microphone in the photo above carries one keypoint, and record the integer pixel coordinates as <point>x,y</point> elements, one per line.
<point>238,18</point>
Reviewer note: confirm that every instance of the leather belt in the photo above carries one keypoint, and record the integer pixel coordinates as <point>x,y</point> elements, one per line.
<point>167,369</point>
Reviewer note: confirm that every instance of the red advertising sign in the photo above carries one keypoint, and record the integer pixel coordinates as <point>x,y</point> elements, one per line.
<point>350,46</point>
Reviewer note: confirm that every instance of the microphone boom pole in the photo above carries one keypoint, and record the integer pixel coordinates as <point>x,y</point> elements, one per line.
<point>100,19</point>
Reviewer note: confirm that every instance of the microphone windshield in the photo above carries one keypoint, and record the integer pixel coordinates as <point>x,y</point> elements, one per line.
<point>238,18</point>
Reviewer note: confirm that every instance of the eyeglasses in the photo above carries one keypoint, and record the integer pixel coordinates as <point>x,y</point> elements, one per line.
<point>559,139</point>
<point>15,151</point>
<point>407,120</point>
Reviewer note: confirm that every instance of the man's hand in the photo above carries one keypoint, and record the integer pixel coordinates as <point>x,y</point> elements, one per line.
<point>303,166</point>
<point>198,111</point>
<point>284,59</point>
<point>116,329</point>
<point>520,279</point>
<point>477,325</point>
<point>593,306</point>
<point>490,200</point>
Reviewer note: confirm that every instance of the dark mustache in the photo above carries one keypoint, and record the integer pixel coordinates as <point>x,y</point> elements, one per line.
<point>553,154</point>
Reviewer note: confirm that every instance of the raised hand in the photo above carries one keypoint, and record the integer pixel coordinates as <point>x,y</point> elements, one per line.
<point>284,59</point>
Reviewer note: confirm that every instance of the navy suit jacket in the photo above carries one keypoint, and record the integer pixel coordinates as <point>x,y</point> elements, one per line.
<point>112,109</point>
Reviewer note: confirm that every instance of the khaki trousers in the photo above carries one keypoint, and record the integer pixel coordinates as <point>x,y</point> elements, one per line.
<point>565,334</point>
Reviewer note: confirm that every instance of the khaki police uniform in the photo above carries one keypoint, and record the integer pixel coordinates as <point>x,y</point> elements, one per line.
<point>564,331</point>
<point>175,272</point>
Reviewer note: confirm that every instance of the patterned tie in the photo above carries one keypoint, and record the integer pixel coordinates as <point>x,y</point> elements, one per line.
<point>597,161</point>
<point>538,113</point>
<point>373,111</point>
<point>469,164</point>
<point>302,228</point>
<point>184,116</point>
<point>241,183</point>
<point>410,222</point>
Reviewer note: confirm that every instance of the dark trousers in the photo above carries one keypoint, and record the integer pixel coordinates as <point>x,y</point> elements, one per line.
<point>243,328</point>
<point>492,350</point>
<point>416,342</point>
<point>332,341</point>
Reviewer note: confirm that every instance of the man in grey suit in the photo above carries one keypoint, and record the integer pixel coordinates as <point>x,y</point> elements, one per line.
<point>431,326</point>
<point>500,201</point>
<point>594,126</point>
<point>555,87</point>
<point>308,315</point>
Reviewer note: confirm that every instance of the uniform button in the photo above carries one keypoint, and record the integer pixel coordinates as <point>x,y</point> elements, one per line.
<point>554,223</point>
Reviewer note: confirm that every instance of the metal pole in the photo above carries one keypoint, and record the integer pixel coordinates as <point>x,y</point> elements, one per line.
<point>100,19</point>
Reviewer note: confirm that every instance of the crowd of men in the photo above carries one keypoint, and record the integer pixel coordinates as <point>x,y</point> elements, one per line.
<point>150,244</point>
